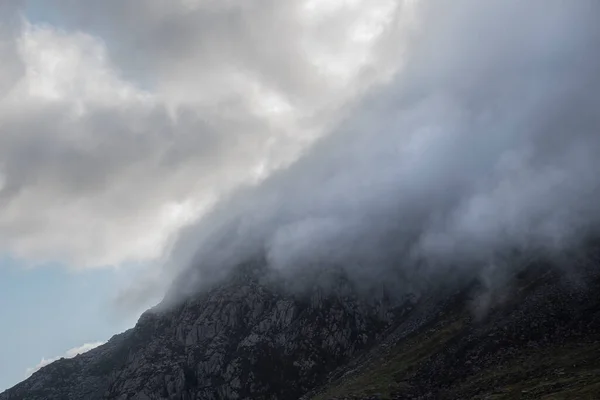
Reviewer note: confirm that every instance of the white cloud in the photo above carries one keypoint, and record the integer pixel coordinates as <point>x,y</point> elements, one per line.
<point>126,123</point>
<point>68,354</point>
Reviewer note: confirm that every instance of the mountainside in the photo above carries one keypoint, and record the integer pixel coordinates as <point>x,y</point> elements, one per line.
<point>538,340</point>
<point>242,339</point>
<point>536,336</point>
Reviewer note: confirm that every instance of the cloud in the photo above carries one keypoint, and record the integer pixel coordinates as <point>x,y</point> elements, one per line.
<point>71,353</point>
<point>407,136</point>
<point>484,143</point>
<point>9,25</point>
<point>121,124</point>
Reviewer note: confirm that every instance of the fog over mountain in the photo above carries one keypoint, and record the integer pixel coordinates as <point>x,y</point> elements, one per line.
<point>421,133</point>
<point>483,144</point>
<point>335,199</point>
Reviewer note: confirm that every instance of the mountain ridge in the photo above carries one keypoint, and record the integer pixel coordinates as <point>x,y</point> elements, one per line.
<point>250,338</point>
<point>225,343</point>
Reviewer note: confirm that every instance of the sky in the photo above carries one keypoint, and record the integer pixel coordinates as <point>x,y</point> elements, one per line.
<point>48,311</point>
<point>149,146</point>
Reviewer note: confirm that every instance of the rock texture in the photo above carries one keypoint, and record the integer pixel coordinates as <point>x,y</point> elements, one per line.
<point>537,336</point>
<point>244,339</point>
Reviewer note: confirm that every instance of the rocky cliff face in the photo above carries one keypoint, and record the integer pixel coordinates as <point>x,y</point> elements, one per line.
<point>243,339</point>
<point>250,338</point>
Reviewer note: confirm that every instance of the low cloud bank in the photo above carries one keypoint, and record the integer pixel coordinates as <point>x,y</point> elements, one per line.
<point>484,143</point>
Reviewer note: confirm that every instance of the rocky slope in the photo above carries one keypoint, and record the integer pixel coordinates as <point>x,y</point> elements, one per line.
<point>539,340</point>
<point>537,336</point>
<point>244,339</point>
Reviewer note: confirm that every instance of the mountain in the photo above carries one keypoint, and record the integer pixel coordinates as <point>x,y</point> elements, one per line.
<point>253,336</point>
<point>241,339</point>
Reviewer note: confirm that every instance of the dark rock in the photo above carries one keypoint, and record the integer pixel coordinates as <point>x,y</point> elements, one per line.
<point>242,339</point>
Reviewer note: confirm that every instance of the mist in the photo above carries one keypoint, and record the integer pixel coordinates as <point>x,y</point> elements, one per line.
<point>485,142</point>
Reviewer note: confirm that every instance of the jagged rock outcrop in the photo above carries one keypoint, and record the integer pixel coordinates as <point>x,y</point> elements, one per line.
<point>243,339</point>
<point>252,338</point>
